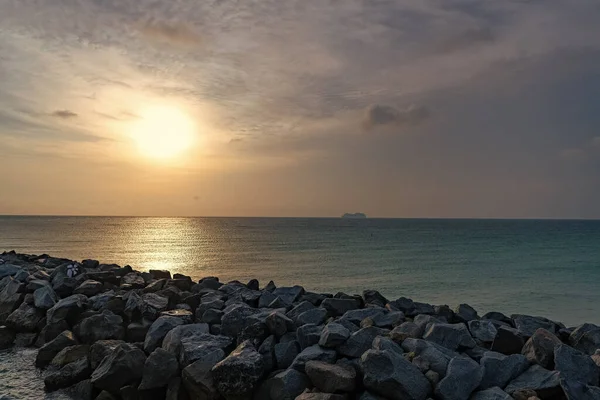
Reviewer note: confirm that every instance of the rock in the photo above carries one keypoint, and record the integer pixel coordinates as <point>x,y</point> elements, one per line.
<point>357,316</point>
<point>437,357</point>
<point>391,376</point>
<point>153,305</point>
<point>186,316</point>
<point>237,317</point>
<point>574,390</point>
<point>500,369</point>
<point>266,298</point>
<point>331,378</point>
<point>422,308</point>
<point>9,270</point>
<point>462,378</point>
<point>103,276</point>
<point>160,274</point>
<point>89,288</point>
<point>176,390</point>
<point>278,324</point>
<point>321,396</point>
<point>67,309</point>
<point>333,335</point>
<point>267,351</point>
<point>299,309</point>
<point>159,368</point>
<point>586,338</point>
<point>433,378</point>
<point>158,330</point>
<point>68,375</point>
<point>35,284</point>
<point>237,375</point>
<point>102,326</point>
<point>137,331</point>
<point>81,390</point>
<point>384,343</point>
<point>374,297</point>
<point>425,321</point>
<point>388,320</point>
<point>71,354</point>
<point>133,280</point>
<point>105,395</point>
<point>451,336</point>
<point>11,297</point>
<point>406,330</point>
<point>200,346</point>
<point>197,377</point>
<point>573,365</point>
<point>507,341</point>
<point>285,353</point>
<point>314,352</point>
<point>483,330</point>
<point>45,298</point>
<point>172,341</point>
<point>360,341</point>
<point>545,383</point>
<point>527,324</point>
<point>25,339</point>
<point>25,318</point>
<point>51,349</point>
<point>7,337</point>
<point>308,335</point>
<point>315,316</point>
<point>101,349</point>
<point>289,294</point>
<point>215,304</point>
<point>287,385</point>
<point>212,316</point>
<point>494,393</point>
<point>465,313</point>
<point>539,349</point>
<point>338,307</point>
<point>50,332</point>
<point>407,306</point>
<point>99,301</point>
<point>125,365</point>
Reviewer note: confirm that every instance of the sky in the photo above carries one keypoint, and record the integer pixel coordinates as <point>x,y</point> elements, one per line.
<point>395,108</point>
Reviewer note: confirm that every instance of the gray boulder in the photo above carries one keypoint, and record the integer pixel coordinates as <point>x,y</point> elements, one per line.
<point>575,390</point>
<point>215,304</point>
<point>299,309</point>
<point>499,369</point>
<point>136,331</point>
<point>51,349</point>
<point>212,316</point>
<point>101,349</point>
<point>196,347</point>
<point>539,348</point>
<point>338,307</point>
<point>197,377</point>
<point>315,316</point>
<point>289,295</point>
<point>331,378</point>
<point>545,383</point>
<point>508,341</point>
<point>462,378</point>
<point>68,375</point>
<point>357,316</point>
<point>287,385</point>
<point>373,297</point>
<point>573,365</point>
<point>25,318</point>
<point>389,319</point>
<point>133,280</point>
<point>278,324</point>
<point>333,335</point>
<point>286,353</point>
<point>89,288</point>
<point>465,313</point>
<point>159,368</point>
<point>125,365</point>
<point>152,305</point>
<point>172,340</point>
<point>103,326</point>
<point>7,337</point>
<point>265,299</point>
<point>11,297</point>
<point>435,356</point>
<point>494,393</point>
<point>385,343</point>
<point>308,335</point>
<point>100,301</point>
<point>158,330</point>
<point>67,309</point>
<point>586,338</point>
<point>451,336</point>
<point>267,351</point>
<point>528,324</point>
<point>393,377</point>
<point>321,396</point>
<point>238,317</point>
<point>71,354</point>
<point>44,297</point>
<point>406,330</point>
<point>360,341</point>
<point>9,270</point>
<point>237,375</point>
<point>483,330</point>
<point>314,352</point>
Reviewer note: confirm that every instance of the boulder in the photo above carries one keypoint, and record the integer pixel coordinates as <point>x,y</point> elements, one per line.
<point>308,335</point>
<point>51,331</point>
<point>314,352</point>
<point>289,295</point>
<point>100,301</point>
<point>373,297</point>
<point>158,330</point>
<point>215,304</point>
<point>321,396</point>
<point>51,349</point>
<point>266,298</point>
<point>125,365</point>
<point>278,324</point>
<point>68,375</point>
<point>406,330</point>
<point>35,284</point>
<point>101,349</point>
<point>573,365</point>
<point>212,316</point>
<point>451,336</point>
<point>71,354</point>
<point>160,274</point>
<point>287,385</point>
<point>200,346</point>
<point>9,270</point>
<point>45,298</point>
<point>105,395</point>
<point>267,351</point>
<point>465,313</point>
<point>133,280</point>
<point>507,341</point>
<point>237,375</point>
<point>422,308</point>
<point>11,297</point>
<point>338,307</point>
<point>388,320</point>
<point>494,393</point>
<point>483,330</point>
<point>527,324</point>
<point>197,377</point>
<point>435,356</point>
<point>575,390</point>
<point>299,309</point>
<point>176,390</point>
<point>586,338</point>
<point>186,316</point>
<point>462,378</point>
<point>25,339</point>
<point>159,368</point>
<point>545,383</point>
<point>153,305</point>
<point>172,341</point>
<point>539,348</point>
<point>103,326</point>
<point>358,315</point>
<point>239,316</point>
<point>67,309</point>
<point>25,318</point>
<point>7,337</point>
<point>285,353</point>
<point>137,331</point>
<point>331,378</point>
<point>385,343</point>
<point>393,377</point>
<point>499,369</point>
<point>315,316</point>
<point>360,341</point>
<point>89,288</point>
<point>333,335</point>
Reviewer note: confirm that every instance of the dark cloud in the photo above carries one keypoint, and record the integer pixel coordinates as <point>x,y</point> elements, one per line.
<point>174,33</point>
<point>384,115</point>
<point>64,114</point>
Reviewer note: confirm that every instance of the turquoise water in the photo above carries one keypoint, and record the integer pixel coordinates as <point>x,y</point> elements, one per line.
<point>548,268</point>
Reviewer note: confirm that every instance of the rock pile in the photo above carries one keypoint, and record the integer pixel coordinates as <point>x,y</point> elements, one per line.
<point>109,332</point>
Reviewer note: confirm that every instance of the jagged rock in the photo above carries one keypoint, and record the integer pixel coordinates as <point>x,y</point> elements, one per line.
<point>389,319</point>
<point>465,313</point>
<point>35,284</point>
<point>545,383</point>
<point>185,315</point>
<point>462,378</point>
<point>507,341</point>
<point>81,390</point>
<point>333,335</point>
<point>158,330</point>
<point>500,369</point>
<point>212,316</point>
<point>11,297</point>
<point>136,331</point>
<point>266,298</point>
<point>497,316</point>
<point>315,298</point>
<point>133,280</point>
<point>338,307</point>
<point>391,376</point>
<point>160,274</point>
<point>308,335</point>
<point>71,354</point>
<point>237,375</point>
<point>314,352</point>
<point>422,308</point>
<point>286,353</point>
<point>7,337</point>
<point>494,393</point>
<point>573,365</point>
<point>25,318</point>
<point>451,336</point>
<point>424,321</point>
<point>539,348</point>
<point>68,375</point>
<point>483,330</point>
<point>67,309</point>
<point>357,316</point>
<point>176,390</point>
<point>331,378</point>
<point>586,338</point>
<point>159,368</point>
<point>299,309</point>
<point>123,366</point>
<point>267,351</point>
<point>384,343</point>
<point>360,341</point>
<point>215,304</point>
<point>289,295</point>
<point>172,341</point>
<point>238,317</point>
<point>25,339</point>
<point>103,276</point>
<point>44,297</point>
<point>153,305</point>
<point>374,297</point>
<point>198,346</point>
<point>287,385</point>
<point>406,330</point>
<point>528,324</point>
<point>99,301</point>
<point>51,349</point>
<point>278,324</point>
<point>102,326</point>
<point>437,357</point>
<point>89,288</point>
<point>315,316</point>
<point>575,390</point>
<point>50,332</point>
<point>9,270</point>
<point>197,377</point>
<point>101,349</point>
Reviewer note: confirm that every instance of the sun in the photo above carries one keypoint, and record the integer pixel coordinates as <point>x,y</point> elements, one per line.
<point>163,132</point>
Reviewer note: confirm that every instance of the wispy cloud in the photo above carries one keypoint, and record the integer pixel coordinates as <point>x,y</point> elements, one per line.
<point>64,114</point>
<point>383,115</point>
<point>176,33</point>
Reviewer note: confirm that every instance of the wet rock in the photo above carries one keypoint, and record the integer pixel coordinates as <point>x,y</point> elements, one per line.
<point>573,365</point>
<point>11,297</point>
<point>315,316</point>
<point>451,336</point>
<point>68,375</point>
<point>391,376</point>
<point>462,378</point>
<point>435,356</point>
<point>384,343</point>
<point>51,349</point>
<point>237,375</point>
<point>67,309</point>
<point>545,383</point>
<point>289,295</point>
<point>125,365</point>
<point>507,341</point>
<point>333,335</point>
<point>338,307</point>
<point>197,377</point>
<point>528,324</point>
<point>314,352</point>
<point>483,330</point>
<point>101,349</point>
<point>586,338</point>
<point>360,341</point>
<point>539,349</point>
<point>331,378</point>
<point>25,318</point>
<point>494,393</point>
<point>70,354</point>
<point>499,369</point>
<point>102,326</point>
<point>44,297</point>
<point>89,288</point>
<point>465,313</point>
<point>158,330</point>
<point>308,335</point>
<point>7,337</point>
<point>133,280</point>
<point>278,324</point>
<point>286,353</point>
<point>287,385</point>
<point>159,368</point>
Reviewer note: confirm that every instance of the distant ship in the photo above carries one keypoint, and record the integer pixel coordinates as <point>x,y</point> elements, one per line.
<point>354,216</point>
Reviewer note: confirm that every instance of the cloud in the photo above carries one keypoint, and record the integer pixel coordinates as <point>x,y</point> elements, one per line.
<point>64,114</point>
<point>596,142</point>
<point>174,33</point>
<point>384,115</point>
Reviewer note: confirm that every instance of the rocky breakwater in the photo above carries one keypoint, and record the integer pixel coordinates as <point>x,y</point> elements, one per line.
<point>109,332</point>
